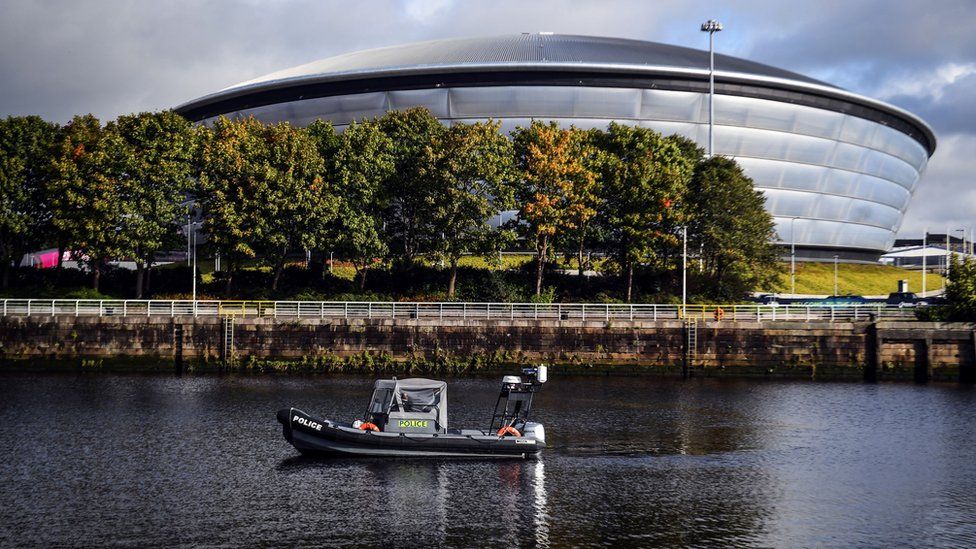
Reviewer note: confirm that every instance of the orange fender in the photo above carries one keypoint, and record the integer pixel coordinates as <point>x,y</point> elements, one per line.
<point>509,430</point>
<point>369,427</point>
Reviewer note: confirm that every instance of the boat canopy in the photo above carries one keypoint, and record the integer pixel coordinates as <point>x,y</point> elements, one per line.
<point>411,395</point>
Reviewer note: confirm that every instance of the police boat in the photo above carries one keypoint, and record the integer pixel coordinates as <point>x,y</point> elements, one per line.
<point>408,418</point>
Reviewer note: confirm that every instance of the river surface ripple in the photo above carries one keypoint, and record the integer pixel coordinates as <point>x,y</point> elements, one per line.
<point>135,460</point>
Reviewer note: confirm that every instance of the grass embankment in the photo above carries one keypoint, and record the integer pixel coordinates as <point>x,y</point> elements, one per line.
<point>479,280</point>
<point>818,278</point>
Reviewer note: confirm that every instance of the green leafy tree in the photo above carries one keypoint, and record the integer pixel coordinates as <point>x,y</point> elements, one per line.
<point>26,144</point>
<point>551,170</point>
<point>229,178</point>
<point>960,292</point>
<point>298,200</point>
<point>407,189</point>
<point>263,194</point>
<point>587,197</point>
<point>326,227</point>
<point>84,193</point>
<point>471,165</point>
<point>645,178</point>
<point>363,163</point>
<point>733,230</point>
<point>157,150</point>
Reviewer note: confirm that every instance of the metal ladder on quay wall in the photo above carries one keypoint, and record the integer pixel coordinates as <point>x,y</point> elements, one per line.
<point>691,339</point>
<point>227,351</point>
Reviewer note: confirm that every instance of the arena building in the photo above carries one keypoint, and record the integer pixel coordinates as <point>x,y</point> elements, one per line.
<point>838,169</point>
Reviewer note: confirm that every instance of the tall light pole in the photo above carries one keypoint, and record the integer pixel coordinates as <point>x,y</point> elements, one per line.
<point>711,27</point>
<point>793,256</point>
<point>925,236</point>
<point>835,276</point>
<point>684,269</point>
<point>194,268</point>
<point>962,231</point>
<point>945,271</point>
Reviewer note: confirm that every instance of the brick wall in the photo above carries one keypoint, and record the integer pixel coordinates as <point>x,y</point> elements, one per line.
<point>789,349</point>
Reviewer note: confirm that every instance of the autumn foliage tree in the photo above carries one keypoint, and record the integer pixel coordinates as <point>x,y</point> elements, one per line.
<point>262,191</point>
<point>85,199</point>
<point>549,187</point>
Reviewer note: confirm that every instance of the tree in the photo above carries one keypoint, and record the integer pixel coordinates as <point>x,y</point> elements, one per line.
<point>298,200</point>
<point>407,190</point>
<point>960,292</point>
<point>158,151</point>
<point>732,228</point>
<point>645,177</point>
<point>588,200</point>
<point>263,192</point>
<point>84,195</point>
<point>326,229</point>
<point>26,144</point>
<point>552,169</point>
<point>471,165</point>
<point>363,162</point>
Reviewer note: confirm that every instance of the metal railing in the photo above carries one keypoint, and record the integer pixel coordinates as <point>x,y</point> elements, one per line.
<point>450,310</point>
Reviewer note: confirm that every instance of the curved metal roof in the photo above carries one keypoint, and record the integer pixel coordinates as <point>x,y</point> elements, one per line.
<point>536,58</point>
<point>521,49</point>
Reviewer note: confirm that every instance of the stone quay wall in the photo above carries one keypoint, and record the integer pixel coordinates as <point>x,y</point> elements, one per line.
<point>818,350</point>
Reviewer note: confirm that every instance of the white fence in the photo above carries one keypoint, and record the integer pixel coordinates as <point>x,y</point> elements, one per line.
<point>450,310</point>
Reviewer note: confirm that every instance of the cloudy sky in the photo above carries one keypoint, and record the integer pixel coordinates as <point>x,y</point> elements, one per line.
<point>59,58</point>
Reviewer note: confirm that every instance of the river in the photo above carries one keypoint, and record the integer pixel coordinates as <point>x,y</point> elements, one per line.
<point>135,460</point>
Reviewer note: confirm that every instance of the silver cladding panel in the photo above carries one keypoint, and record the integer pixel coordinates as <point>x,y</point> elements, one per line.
<point>520,49</point>
<point>847,180</point>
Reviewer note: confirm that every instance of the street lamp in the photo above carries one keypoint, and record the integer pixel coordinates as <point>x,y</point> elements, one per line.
<point>835,276</point>
<point>945,271</point>
<point>711,27</point>
<point>961,230</point>
<point>793,256</point>
<point>684,269</point>
<point>925,236</point>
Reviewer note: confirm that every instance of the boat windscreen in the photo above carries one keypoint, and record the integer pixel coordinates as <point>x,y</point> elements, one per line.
<point>419,400</point>
<point>380,403</point>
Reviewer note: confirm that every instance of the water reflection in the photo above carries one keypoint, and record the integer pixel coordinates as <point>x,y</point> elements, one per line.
<point>636,461</point>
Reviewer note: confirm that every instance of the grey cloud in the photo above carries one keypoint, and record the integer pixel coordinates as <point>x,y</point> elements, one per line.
<point>59,58</point>
<point>948,195</point>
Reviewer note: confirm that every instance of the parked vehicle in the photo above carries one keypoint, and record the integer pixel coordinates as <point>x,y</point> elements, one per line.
<point>904,299</point>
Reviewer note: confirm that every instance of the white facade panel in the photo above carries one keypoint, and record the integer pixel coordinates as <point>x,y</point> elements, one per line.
<point>847,180</point>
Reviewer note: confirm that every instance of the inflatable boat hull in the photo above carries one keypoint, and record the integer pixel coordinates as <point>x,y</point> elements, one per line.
<point>315,436</point>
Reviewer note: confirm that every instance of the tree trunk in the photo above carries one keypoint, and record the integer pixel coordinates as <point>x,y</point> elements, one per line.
<point>630,281</point>
<point>57,270</point>
<point>579,257</point>
<point>96,274</point>
<point>140,273</point>
<point>279,267</point>
<point>316,269</point>
<point>228,284</point>
<point>453,279</point>
<point>540,248</point>
<point>6,272</point>
<point>148,289</point>
<point>362,277</point>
